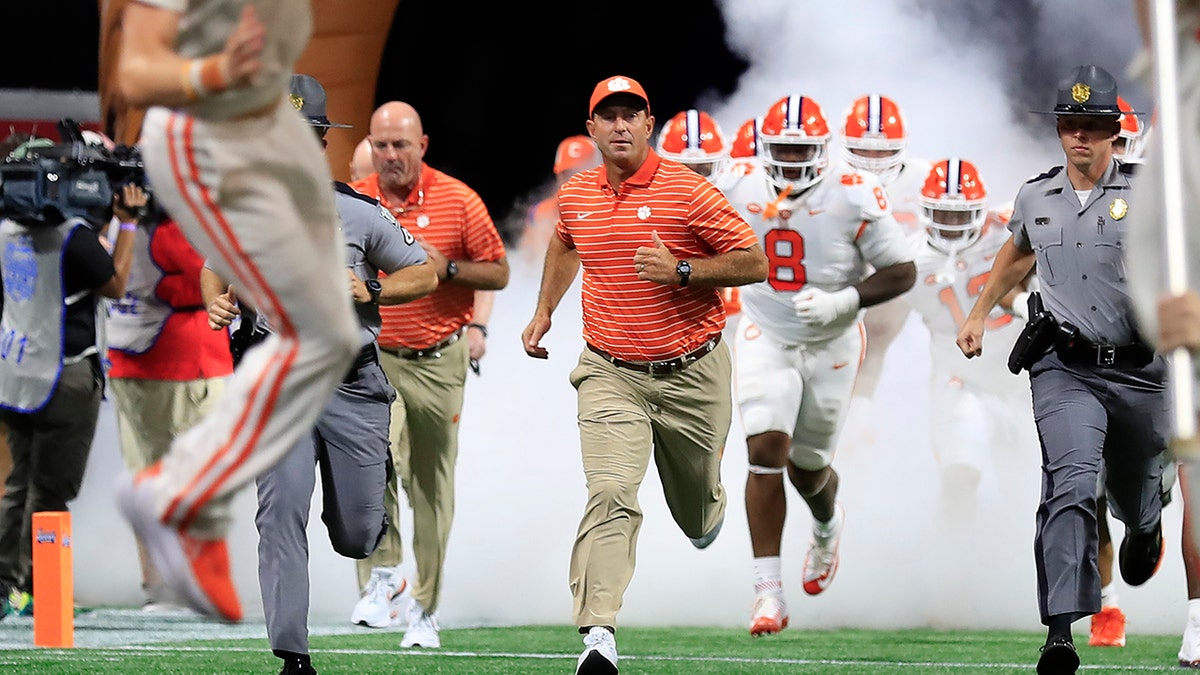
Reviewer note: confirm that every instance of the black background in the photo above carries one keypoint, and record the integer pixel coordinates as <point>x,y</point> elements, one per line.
<point>496,91</point>
<point>498,85</point>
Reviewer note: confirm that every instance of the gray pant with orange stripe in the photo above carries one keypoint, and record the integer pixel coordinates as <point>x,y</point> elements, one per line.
<point>625,418</point>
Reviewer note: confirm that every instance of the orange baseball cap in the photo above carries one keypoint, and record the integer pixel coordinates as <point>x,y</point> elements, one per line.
<point>573,152</point>
<point>617,84</point>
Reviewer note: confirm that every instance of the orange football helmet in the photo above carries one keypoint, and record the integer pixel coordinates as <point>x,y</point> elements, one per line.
<point>875,125</point>
<point>953,204</point>
<point>794,143</point>
<point>745,142</point>
<point>1131,140</point>
<point>694,138</point>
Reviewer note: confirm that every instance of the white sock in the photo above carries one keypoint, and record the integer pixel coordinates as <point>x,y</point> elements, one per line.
<point>1108,596</point>
<point>768,575</point>
<point>1194,609</point>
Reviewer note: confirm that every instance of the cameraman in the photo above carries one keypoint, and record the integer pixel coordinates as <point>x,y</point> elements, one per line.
<point>51,379</point>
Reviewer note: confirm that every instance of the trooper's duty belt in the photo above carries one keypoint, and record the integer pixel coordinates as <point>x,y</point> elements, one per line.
<point>659,368</point>
<point>1081,350</point>
<point>432,351</point>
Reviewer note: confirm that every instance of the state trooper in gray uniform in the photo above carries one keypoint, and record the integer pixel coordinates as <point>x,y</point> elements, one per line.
<point>349,443</point>
<point>1098,392</point>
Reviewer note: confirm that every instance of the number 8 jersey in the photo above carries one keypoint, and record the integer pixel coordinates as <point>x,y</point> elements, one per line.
<point>827,237</point>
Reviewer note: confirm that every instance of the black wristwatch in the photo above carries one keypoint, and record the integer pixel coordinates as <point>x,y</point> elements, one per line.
<point>374,288</point>
<point>684,269</point>
<point>451,270</point>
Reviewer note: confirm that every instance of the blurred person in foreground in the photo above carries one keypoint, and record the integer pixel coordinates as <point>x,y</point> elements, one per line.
<point>1170,320</point>
<point>237,167</point>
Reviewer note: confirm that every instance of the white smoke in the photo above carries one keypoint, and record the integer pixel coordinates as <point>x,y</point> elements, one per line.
<point>520,485</point>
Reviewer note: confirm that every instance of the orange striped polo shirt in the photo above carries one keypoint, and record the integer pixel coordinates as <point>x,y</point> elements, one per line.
<point>452,217</point>
<point>641,320</point>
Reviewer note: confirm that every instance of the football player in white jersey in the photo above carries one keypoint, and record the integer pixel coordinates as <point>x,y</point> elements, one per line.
<point>970,402</point>
<point>874,139</point>
<point>800,339</point>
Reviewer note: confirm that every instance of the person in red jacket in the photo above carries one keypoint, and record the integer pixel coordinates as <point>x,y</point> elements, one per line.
<point>168,367</point>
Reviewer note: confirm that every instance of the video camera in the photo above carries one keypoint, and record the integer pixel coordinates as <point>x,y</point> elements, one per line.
<point>49,184</point>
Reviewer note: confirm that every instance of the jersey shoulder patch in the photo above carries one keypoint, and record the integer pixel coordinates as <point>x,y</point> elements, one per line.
<point>1048,174</point>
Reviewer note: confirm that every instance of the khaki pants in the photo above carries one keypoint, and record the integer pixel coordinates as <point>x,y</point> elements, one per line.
<point>625,417</point>
<point>424,449</point>
<point>151,413</point>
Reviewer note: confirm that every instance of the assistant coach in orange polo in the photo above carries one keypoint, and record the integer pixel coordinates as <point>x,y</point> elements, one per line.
<point>656,242</point>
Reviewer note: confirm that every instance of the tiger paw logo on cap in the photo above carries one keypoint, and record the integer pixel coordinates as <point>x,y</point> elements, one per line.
<point>619,84</point>
<point>1081,92</point>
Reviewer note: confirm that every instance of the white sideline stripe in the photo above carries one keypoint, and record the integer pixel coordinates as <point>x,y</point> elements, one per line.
<point>66,654</point>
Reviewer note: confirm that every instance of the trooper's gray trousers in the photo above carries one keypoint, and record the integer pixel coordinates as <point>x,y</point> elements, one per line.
<point>349,444</point>
<point>1086,415</point>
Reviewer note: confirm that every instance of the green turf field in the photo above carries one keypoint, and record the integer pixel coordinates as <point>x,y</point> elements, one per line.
<point>130,643</point>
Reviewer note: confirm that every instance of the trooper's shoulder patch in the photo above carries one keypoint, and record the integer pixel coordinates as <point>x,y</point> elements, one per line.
<point>1043,176</point>
<point>1127,168</point>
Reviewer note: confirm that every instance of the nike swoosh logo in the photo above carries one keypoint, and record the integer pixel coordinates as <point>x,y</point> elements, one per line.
<point>816,211</point>
<point>584,216</point>
<point>840,365</point>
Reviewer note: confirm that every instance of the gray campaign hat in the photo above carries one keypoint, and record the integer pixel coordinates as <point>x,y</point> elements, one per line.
<point>1087,90</point>
<point>308,96</point>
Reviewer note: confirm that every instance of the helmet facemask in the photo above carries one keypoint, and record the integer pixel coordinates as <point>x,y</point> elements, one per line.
<point>952,225</point>
<point>795,163</point>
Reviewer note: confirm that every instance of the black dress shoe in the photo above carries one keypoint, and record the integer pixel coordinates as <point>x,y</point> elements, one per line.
<point>296,667</point>
<point>1058,657</point>
<point>1141,554</point>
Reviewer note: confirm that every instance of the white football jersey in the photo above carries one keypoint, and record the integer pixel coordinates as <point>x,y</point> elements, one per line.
<point>946,289</point>
<point>826,238</point>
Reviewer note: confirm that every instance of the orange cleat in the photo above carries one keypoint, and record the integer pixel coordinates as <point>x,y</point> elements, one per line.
<point>1108,628</point>
<point>197,569</point>
<point>770,615</point>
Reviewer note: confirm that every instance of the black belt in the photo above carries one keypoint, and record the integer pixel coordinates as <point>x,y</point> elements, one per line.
<point>366,357</point>
<point>656,368</point>
<point>431,351</point>
<point>1133,355</point>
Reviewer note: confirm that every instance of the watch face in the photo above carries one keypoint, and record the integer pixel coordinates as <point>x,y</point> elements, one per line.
<point>684,267</point>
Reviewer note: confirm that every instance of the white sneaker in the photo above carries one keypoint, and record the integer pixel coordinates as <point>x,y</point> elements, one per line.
<point>599,655</point>
<point>422,628</point>
<point>770,615</point>
<point>1189,651</point>
<point>822,561</point>
<point>379,606</point>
